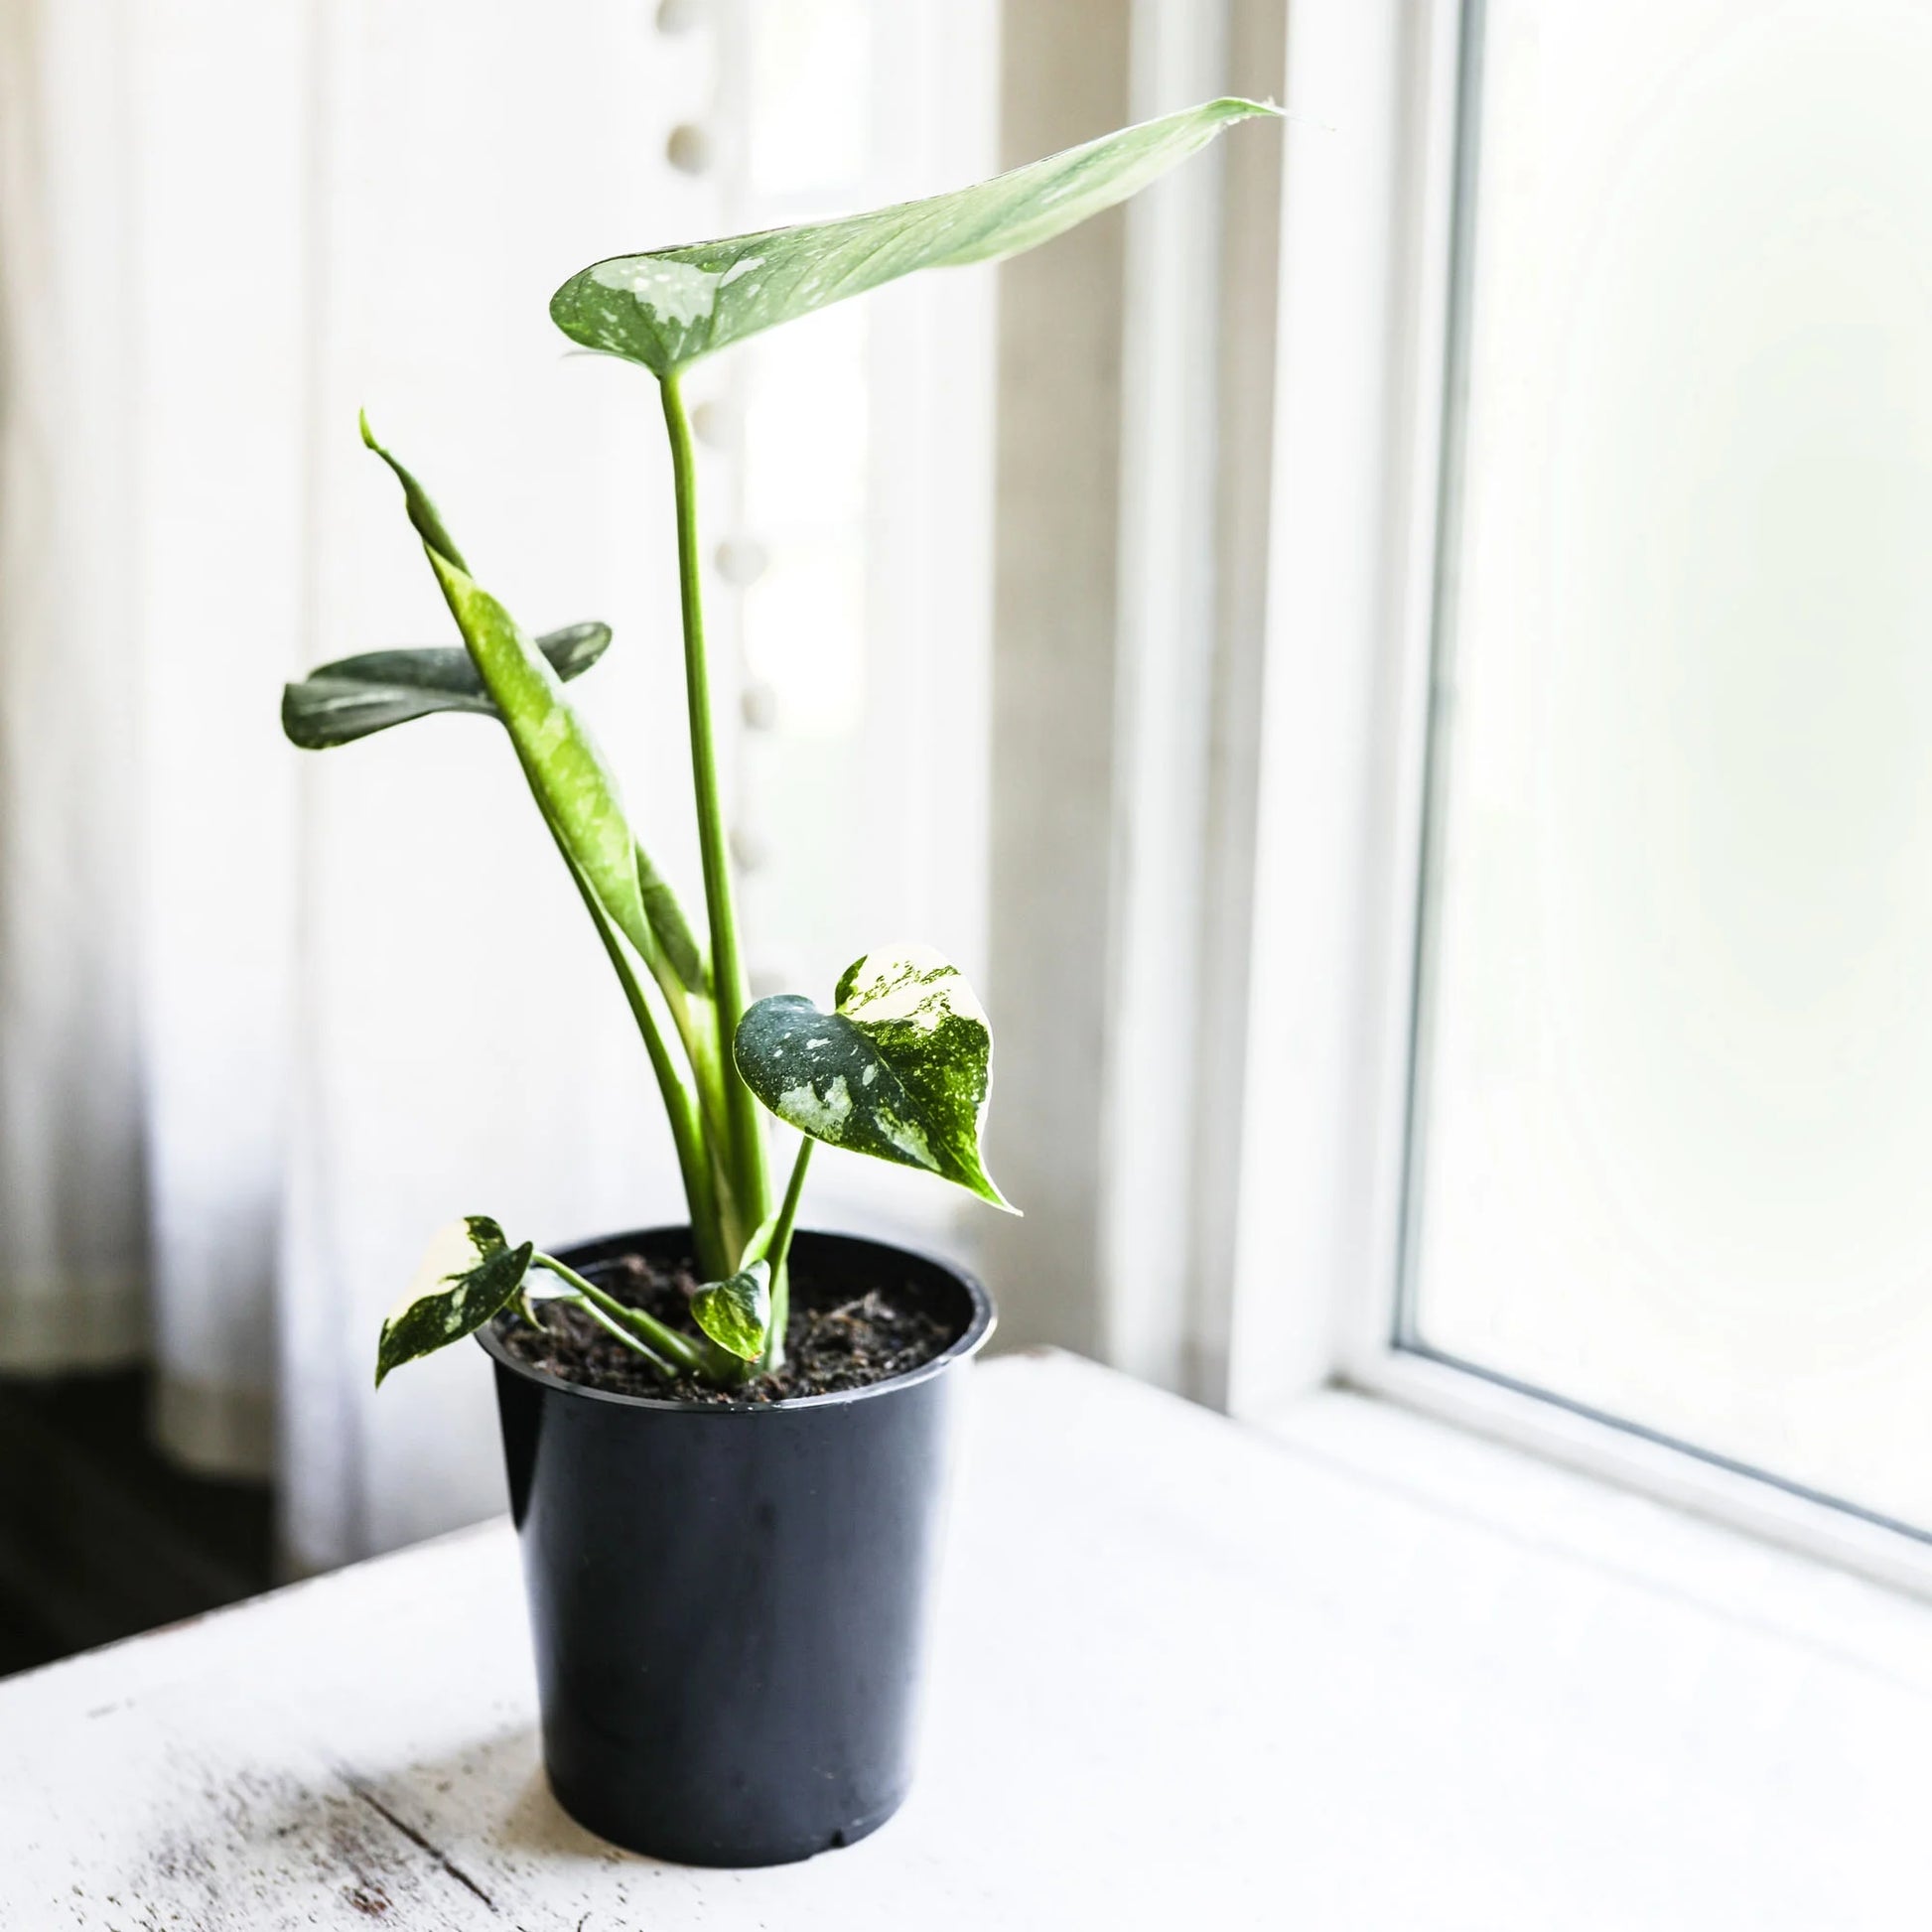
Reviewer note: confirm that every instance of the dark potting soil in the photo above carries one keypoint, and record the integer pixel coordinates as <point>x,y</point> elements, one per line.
<point>841,1335</point>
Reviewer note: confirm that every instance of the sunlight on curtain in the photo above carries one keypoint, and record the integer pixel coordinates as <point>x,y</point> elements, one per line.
<point>74,1254</point>
<point>368,996</point>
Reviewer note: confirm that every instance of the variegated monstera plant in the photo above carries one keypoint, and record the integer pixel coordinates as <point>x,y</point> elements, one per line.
<point>900,1066</point>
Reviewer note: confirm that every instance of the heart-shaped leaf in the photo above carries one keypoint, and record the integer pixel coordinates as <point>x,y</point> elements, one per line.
<point>567,773</point>
<point>737,1313</point>
<point>338,703</point>
<point>469,1273</point>
<point>667,308</point>
<point>898,1069</point>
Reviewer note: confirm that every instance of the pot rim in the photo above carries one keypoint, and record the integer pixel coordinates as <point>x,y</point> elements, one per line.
<point>974,1336</point>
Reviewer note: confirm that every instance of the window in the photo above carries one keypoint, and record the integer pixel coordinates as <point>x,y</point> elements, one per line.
<point>1593,909</point>
<point>1672,1111</point>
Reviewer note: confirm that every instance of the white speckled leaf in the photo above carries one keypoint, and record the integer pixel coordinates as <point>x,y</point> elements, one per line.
<point>666,308</point>
<point>561,759</point>
<point>338,703</point>
<point>469,1273</point>
<point>737,1313</point>
<point>899,1070</point>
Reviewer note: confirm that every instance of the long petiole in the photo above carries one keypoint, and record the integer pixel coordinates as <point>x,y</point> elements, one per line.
<point>696,1019</point>
<point>630,1340</point>
<point>777,1252</point>
<point>687,1130</point>
<point>707,1233</point>
<point>679,1349</point>
<point>749,1186</point>
<point>780,1244</point>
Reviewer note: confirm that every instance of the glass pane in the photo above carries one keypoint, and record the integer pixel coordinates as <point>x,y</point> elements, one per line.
<point>1673,1119</point>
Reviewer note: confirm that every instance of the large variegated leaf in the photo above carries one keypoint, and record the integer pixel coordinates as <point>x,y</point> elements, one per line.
<point>338,703</point>
<point>737,1313</point>
<point>898,1069</point>
<point>667,308</point>
<point>561,759</point>
<point>469,1273</point>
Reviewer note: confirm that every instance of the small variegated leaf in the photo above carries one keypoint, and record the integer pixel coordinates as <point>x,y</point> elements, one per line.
<point>338,703</point>
<point>561,759</point>
<point>670,306</point>
<point>469,1273</point>
<point>737,1313</point>
<point>899,1070</point>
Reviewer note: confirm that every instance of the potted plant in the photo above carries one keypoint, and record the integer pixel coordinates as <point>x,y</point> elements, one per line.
<point>725,1440</point>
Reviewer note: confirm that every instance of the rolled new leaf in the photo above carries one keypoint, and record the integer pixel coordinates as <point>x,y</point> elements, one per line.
<point>566,771</point>
<point>469,1273</point>
<point>338,703</point>
<point>899,1068</point>
<point>665,912</point>
<point>737,1313</point>
<point>666,308</point>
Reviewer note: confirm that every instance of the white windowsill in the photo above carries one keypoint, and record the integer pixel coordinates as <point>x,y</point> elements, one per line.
<point>1665,1720</point>
<point>1493,1496</point>
<point>1354,1673</point>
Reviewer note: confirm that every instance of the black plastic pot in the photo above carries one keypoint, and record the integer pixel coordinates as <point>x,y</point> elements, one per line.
<point>729,1602</point>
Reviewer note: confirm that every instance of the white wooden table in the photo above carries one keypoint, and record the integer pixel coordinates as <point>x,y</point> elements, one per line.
<point>1187,1676</point>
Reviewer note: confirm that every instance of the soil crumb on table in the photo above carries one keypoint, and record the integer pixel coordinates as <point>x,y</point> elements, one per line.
<point>841,1335</point>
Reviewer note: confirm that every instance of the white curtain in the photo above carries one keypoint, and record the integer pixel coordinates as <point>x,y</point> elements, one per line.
<point>268,1018</point>
<point>72,1231</point>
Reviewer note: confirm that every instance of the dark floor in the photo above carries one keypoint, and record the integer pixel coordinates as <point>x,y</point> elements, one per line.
<point>100,1536</point>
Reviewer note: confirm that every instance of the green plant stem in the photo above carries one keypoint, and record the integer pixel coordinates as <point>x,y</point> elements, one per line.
<point>687,1135</point>
<point>630,1340</point>
<point>782,1229</point>
<point>694,1167</point>
<point>679,1349</point>
<point>697,1029</point>
<point>750,1187</point>
<point>778,1252</point>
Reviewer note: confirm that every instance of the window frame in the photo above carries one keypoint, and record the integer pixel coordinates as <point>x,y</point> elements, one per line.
<point>1361,550</point>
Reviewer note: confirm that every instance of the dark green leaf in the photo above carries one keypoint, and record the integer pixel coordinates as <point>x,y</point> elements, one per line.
<point>469,1273</point>
<point>898,1069</point>
<point>737,1313</point>
<point>354,696</point>
<point>666,308</point>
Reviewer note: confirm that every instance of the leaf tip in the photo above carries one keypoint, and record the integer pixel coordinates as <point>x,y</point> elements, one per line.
<point>989,1191</point>
<point>1238,107</point>
<point>293,726</point>
<point>368,435</point>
